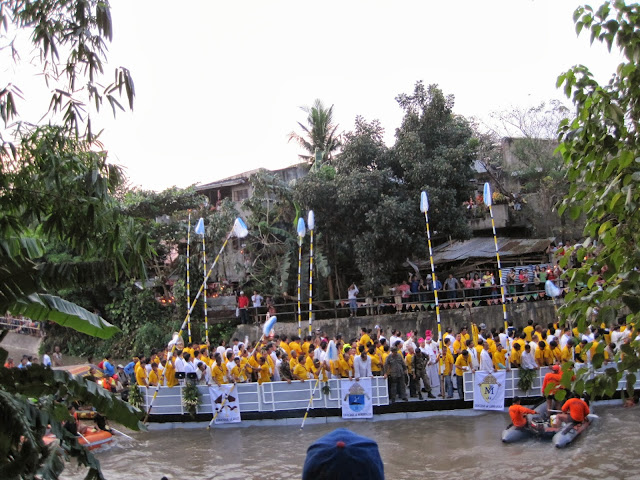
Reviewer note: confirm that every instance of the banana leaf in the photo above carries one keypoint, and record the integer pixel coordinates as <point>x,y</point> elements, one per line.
<point>40,307</point>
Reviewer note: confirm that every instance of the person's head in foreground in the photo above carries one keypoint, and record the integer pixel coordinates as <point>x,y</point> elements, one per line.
<point>343,455</point>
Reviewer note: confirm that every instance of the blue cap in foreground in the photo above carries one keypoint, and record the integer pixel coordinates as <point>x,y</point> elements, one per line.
<point>343,455</point>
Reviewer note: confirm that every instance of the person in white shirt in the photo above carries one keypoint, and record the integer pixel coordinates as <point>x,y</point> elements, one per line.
<point>362,365</point>
<point>486,364</point>
<point>451,338</point>
<point>474,361</point>
<point>204,374</point>
<point>46,359</point>
<point>352,295</point>
<point>564,338</point>
<point>432,351</point>
<point>256,299</point>
<point>528,360</point>
<point>618,337</point>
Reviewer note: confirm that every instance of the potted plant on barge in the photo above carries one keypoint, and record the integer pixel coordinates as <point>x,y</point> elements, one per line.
<point>191,398</point>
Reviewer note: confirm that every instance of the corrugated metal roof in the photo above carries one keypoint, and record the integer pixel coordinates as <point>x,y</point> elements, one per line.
<point>483,247</point>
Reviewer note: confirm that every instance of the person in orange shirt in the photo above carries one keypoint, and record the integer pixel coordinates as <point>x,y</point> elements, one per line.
<point>517,413</point>
<point>553,379</point>
<point>575,409</point>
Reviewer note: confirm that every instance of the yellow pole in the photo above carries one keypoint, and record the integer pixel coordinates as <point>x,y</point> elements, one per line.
<point>188,282</point>
<point>424,207</point>
<point>488,201</point>
<point>204,297</point>
<point>301,233</point>
<point>311,223</point>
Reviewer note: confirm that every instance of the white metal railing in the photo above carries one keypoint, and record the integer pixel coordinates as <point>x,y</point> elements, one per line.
<point>268,397</point>
<point>513,376</point>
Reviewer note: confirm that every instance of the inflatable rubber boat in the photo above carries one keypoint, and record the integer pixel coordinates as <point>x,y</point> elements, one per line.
<point>569,432</point>
<point>92,440</point>
<point>538,426</point>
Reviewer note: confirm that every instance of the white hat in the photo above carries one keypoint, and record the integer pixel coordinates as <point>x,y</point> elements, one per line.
<point>241,292</point>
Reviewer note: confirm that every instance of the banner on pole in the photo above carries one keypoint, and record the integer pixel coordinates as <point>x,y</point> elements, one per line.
<point>488,390</point>
<point>224,404</point>
<point>356,399</point>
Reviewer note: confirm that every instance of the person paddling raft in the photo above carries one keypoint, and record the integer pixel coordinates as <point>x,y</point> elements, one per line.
<point>518,413</point>
<point>574,410</point>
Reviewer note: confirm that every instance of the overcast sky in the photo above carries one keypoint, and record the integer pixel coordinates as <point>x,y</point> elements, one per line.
<point>219,84</point>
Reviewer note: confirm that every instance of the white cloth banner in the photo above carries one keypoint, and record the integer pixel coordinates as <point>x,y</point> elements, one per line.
<point>488,390</point>
<point>224,403</point>
<point>356,398</point>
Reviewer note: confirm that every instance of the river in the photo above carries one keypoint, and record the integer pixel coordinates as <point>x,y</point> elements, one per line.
<point>449,446</point>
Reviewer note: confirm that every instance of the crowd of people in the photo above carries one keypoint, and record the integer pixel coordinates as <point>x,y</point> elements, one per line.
<point>413,366</point>
<point>20,324</point>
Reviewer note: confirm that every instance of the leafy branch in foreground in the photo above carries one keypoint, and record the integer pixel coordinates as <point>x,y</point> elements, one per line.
<point>36,398</point>
<point>601,149</point>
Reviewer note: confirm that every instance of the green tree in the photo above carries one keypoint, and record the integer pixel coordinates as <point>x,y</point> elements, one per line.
<point>319,138</point>
<point>55,186</point>
<point>601,148</point>
<point>434,152</point>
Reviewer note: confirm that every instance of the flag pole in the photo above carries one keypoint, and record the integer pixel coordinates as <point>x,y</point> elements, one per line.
<point>240,230</point>
<point>204,293</point>
<point>488,200</point>
<point>424,207</point>
<point>311,222</point>
<point>301,234</point>
<point>188,281</point>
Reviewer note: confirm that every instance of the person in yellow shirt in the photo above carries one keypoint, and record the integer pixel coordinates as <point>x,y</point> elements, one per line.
<point>204,357</point>
<point>284,345</point>
<point>567,352</point>
<point>528,330</point>
<point>448,367</point>
<point>499,358</point>
<point>364,338</point>
<point>264,374</point>
<point>238,373</point>
<point>155,377</point>
<point>345,368</point>
<point>385,354</point>
<point>170,373</point>
<point>464,335</point>
<point>300,372</point>
<point>306,345</point>
<point>556,353</point>
<point>141,373</point>
<point>581,352</point>
<point>294,345</point>
<point>540,355</point>
<point>462,364</point>
<point>458,345</point>
<point>376,362</point>
<point>293,361</point>
<point>308,363</point>
<point>516,354</point>
<point>219,370</point>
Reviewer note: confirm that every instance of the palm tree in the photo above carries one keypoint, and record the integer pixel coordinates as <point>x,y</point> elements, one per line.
<point>319,136</point>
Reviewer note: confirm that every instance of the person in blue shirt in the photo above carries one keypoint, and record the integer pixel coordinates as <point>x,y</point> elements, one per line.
<point>108,368</point>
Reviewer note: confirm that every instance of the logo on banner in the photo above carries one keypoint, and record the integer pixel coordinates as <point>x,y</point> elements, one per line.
<point>489,388</point>
<point>357,401</point>
<point>356,397</point>
<point>224,404</point>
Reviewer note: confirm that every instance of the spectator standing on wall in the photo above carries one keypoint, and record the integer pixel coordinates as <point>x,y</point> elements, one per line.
<point>352,295</point>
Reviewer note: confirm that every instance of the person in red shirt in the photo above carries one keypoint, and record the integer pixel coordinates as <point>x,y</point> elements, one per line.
<point>243,305</point>
<point>577,411</point>
<point>517,413</point>
<point>553,378</point>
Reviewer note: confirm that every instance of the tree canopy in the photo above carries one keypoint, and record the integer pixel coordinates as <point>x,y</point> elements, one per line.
<point>601,149</point>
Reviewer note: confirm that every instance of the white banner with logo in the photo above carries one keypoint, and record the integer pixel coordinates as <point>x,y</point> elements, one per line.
<point>224,403</point>
<point>356,398</point>
<point>488,390</point>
